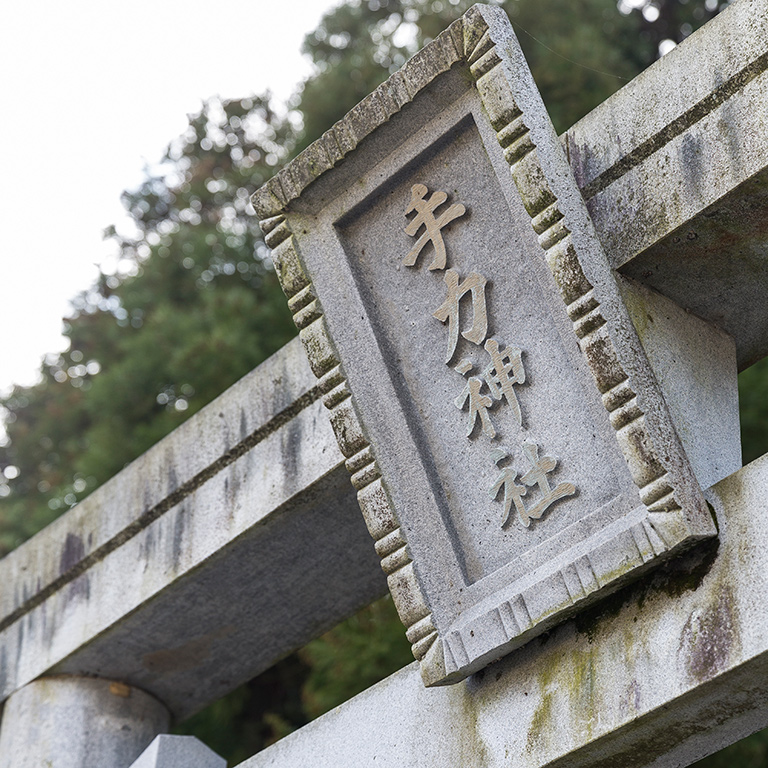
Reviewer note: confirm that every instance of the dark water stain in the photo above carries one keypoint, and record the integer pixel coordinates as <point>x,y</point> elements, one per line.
<point>709,639</point>
<point>186,656</point>
<point>72,553</point>
<point>681,574</point>
<point>179,528</point>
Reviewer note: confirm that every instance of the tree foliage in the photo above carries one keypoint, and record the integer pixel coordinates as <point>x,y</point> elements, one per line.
<point>195,305</point>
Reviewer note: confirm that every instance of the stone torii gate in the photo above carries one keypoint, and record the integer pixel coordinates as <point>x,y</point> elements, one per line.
<point>206,560</point>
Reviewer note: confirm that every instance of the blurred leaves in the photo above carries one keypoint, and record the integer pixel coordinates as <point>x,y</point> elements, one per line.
<point>753,411</point>
<point>353,656</point>
<point>194,306</point>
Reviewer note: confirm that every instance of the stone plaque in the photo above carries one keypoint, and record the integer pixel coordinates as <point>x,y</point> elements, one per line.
<point>513,455</point>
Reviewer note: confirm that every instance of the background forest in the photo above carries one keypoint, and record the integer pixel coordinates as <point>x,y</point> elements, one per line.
<point>196,305</point>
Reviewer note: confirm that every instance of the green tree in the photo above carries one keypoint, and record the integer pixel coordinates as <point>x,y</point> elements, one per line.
<point>753,411</point>
<point>580,53</point>
<point>194,307</point>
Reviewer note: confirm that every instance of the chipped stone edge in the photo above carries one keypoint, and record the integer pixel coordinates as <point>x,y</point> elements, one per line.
<point>663,527</point>
<point>374,110</point>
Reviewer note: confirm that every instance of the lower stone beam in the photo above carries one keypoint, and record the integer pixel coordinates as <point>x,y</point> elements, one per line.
<point>661,674</point>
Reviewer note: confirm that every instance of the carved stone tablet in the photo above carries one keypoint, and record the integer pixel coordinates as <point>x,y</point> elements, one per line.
<point>512,452</point>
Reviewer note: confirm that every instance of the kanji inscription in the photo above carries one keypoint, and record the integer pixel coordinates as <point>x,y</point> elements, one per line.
<point>497,374</point>
<point>473,284</point>
<point>536,475</point>
<point>478,402</point>
<point>425,217</point>
<point>501,370</point>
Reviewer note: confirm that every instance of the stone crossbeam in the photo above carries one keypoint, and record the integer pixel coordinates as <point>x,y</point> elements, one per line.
<point>237,538</point>
<point>230,543</point>
<point>661,674</point>
<point>673,168</point>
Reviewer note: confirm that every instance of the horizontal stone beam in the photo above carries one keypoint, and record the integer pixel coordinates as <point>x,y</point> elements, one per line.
<point>661,674</point>
<point>674,168</point>
<point>232,542</point>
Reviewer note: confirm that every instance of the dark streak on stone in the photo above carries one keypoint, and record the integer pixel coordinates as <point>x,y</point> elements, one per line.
<point>173,479</point>
<point>709,640</point>
<point>179,527</point>
<point>675,128</point>
<point>682,573</point>
<point>173,499</point>
<point>3,668</point>
<point>72,553</point>
<point>80,588</point>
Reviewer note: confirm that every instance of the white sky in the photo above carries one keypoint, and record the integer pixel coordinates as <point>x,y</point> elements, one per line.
<point>91,92</point>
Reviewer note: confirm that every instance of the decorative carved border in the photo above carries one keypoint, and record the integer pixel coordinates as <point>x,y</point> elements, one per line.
<point>503,621</point>
<point>372,496</point>
<point>583,308</point>
<point>446,50</point>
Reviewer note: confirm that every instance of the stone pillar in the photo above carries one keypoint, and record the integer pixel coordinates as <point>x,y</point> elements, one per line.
<point>178,752</point>
<point>78,722</point>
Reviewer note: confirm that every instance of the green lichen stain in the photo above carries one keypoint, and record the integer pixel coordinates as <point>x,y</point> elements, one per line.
<point>572,678</point>
<point>471,746</point>
<point>582,691</point>
<point>639,312</point>
<point>573,674</point>
<point>543,720</point>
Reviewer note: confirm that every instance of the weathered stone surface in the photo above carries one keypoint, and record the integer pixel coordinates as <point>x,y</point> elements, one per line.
<point>535,324</point>
<point>664,673</point>
<point>78,722</point>
<point>232,542</point>
<point>178,752</point>
<point>250,411</point>
<point>694,363</point>
<point>675,176</point>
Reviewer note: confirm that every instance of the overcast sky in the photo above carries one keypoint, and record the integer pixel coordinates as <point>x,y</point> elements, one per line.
<point>91,93</point>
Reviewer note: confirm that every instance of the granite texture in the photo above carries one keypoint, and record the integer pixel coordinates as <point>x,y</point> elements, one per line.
<point>470,586</point>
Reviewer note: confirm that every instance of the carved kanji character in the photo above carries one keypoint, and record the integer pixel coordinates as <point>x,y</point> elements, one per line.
<point>512,491</point>
<point>425,216</point>
<point>450,309</point>
<point>536,476</point>
<point>497,374</point>
<point>478,403</point>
